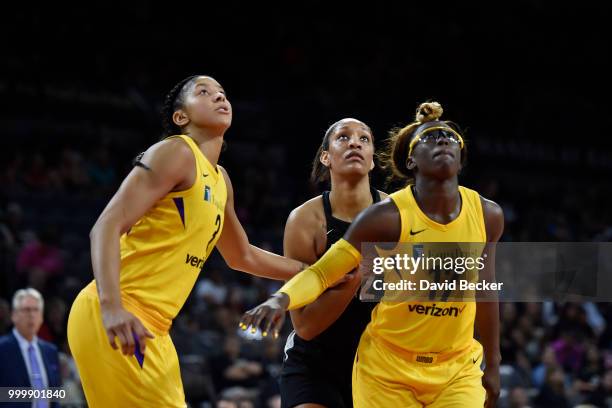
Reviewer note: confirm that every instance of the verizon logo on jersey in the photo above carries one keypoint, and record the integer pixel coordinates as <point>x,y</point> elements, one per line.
<point>433,310</point>
<point>195,261</point>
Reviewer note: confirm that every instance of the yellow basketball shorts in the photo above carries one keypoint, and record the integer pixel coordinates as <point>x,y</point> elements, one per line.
<point>111,379</point>
<point>383,378</point>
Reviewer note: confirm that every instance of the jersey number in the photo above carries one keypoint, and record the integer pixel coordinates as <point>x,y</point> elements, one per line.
<point>218,225</point>
<point>438,278</point>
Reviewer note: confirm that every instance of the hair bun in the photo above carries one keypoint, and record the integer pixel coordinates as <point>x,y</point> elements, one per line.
<point>428,112</point>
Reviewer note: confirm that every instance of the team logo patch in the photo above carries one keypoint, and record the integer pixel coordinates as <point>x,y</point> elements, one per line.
<point>207,194</point>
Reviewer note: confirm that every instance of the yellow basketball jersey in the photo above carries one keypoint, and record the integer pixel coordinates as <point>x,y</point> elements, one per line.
<point>163,253</point>
<point>417,326</point>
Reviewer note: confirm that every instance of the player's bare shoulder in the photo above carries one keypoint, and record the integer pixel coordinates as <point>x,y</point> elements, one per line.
<point>309,216</point>
<point>308,225</point>
<point>384,210</point>
<point>167,153</point>
<point>170,160</point>
<point>493,217</point>
<point>379,222</point>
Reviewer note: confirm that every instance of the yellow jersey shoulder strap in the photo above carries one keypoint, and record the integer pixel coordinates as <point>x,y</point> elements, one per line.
<point>197,184</point>
<point>403,201</point>
<point>473,203</point>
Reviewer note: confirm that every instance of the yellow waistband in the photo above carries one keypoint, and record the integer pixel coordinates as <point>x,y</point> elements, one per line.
<point>419,357</point>
<point>159,325</point>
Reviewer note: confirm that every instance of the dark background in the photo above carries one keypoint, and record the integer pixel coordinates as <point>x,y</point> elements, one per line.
<point>81,89</point>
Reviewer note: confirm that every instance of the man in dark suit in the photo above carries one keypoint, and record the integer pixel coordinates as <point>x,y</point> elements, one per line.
<point>26,360</point>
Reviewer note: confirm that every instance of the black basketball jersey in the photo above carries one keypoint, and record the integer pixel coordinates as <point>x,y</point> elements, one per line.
<point>331,353</point>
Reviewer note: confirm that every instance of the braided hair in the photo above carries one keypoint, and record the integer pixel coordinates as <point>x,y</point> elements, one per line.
<point>174,100</point>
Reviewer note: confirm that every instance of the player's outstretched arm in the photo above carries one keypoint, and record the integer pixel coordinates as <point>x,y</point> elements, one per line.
<point>300,242</point>
<point>487,312</point>
<point>378,223</point>
<point>162,169</point>
<point>240,255</point>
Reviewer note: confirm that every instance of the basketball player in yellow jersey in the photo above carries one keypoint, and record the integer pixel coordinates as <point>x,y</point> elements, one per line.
<point>148,247</point>
<point>405,358</point>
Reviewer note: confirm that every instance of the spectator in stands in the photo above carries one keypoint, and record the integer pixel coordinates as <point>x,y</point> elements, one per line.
<point>587,379</point>
<point>549,363</point>
<point>602,395</point>
<point>569,351</point>
<point>518,398</point>
<point>54,327</point>
<point>236,397</point>
<point>229,370</point>
<point>271,361</point>
<point>41,259</point>
<point>552,393</point>
<point>70,380</point>
<point>211,289</point>
<point>28,361</point>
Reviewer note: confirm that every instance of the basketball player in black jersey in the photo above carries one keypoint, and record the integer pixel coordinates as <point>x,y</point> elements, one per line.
<point>319,353</point>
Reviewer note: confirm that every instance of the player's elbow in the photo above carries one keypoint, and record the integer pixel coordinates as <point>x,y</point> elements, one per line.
<point>105,224</point>
<point>305,331</point>
<point>305,334</point>
<point>243,261</point>
<point>239,262</point>
<point>95,230</point>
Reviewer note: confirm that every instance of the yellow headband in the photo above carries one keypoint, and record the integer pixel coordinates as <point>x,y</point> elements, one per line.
<point>417,138</point>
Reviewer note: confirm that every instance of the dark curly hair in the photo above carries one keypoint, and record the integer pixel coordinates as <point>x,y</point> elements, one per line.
<point>393,159</point>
